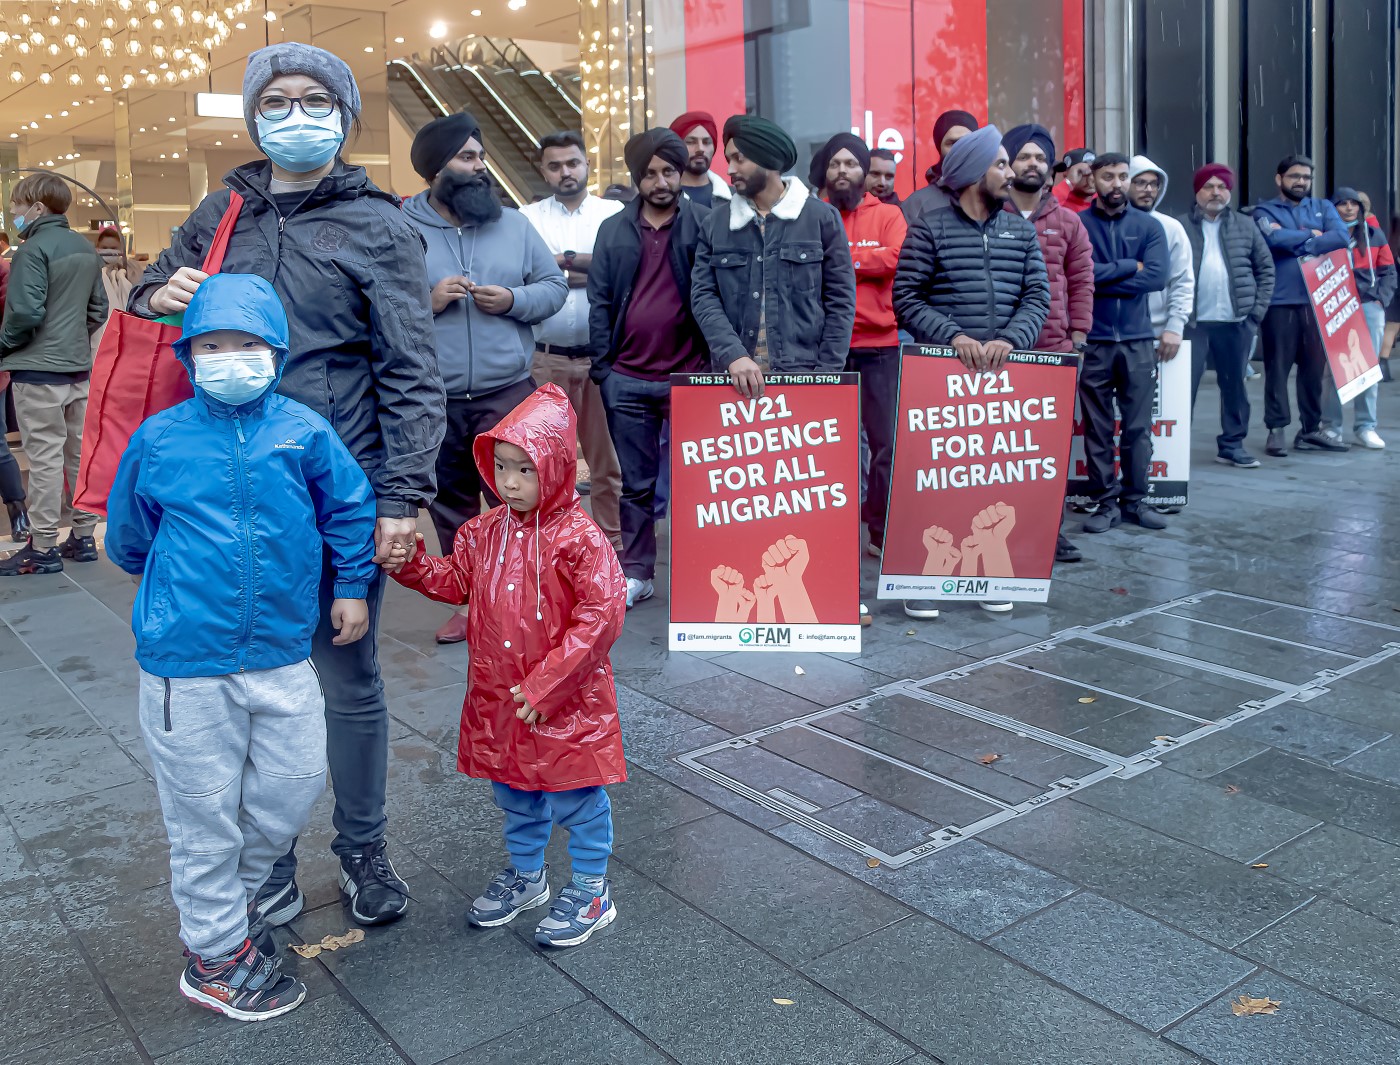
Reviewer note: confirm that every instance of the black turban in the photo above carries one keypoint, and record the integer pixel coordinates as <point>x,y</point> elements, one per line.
<point>762,141</point>
<point>641,148</point>
<point>1017,137</point>
<point>822,159</point>
<point>946,121</point>
<point>440,140</point>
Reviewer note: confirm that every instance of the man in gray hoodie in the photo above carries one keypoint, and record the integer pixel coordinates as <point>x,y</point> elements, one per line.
<point>492,279</point>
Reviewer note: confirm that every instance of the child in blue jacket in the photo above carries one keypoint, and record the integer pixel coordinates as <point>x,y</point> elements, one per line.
<point>223,506</point>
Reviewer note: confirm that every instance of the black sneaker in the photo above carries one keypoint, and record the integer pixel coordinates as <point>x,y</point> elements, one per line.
<point>375,893</point>
<point>79,548</point>
<point>1277,444</point>
<point>1318,441</point>
<point>260,932</point>
<point>1066,551</point>
<point>1105,518</point>
<point>19,521</point>
<point>29,559</point>
<point>247,987</point>
<point>278,904</point>
<point>1145,516</point>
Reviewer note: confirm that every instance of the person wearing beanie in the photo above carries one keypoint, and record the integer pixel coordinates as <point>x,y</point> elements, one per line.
<point>773,287</point>
<point>698,131</point>
<point>347,264</point>
<point>568,221</point>
<point>1234,280</point>
<point>1076,191</point>
<point>641,330</point>
<point>971,276</point>
<point>948,129</point>
<point>1069,261</point>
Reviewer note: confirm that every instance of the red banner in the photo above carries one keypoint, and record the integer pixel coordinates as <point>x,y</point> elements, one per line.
<point>765,514</point>
<point>979,477</point>
<point>1337,307</point>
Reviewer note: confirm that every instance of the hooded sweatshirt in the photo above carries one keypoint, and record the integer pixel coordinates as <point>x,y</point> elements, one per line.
<point>545,601</point>
<point>1171,307</point>
<point>478,352</point>
<point>875,232</point>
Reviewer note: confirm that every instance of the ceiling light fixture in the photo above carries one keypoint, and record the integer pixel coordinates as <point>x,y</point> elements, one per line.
<point>437,31</point>
<point>398,40</point>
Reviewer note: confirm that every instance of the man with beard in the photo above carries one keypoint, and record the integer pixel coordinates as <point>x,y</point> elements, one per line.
<point>879,180</point>
<point>492,279</point>
<point>971,276</point>
<point>1076,191</point>
<point>773,287</point>
<point>568,221</point>
<point>641,331</point>
<point>875,232</point>
<point>948,129</point>
<point>1120,363</point>
<point>1295,225</point>
<point>698,131</point>
<point>1069,261</point>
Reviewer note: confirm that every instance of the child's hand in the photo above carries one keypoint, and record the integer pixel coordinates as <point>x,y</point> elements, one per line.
<point>350,618</point>
<point>398,554</point>
<point>525,711</point>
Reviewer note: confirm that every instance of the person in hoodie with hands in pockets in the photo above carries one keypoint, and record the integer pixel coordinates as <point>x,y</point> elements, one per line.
<point>349,270</point>
<point>223,505</point>
<point>493,278</point>
<point>546,599</point>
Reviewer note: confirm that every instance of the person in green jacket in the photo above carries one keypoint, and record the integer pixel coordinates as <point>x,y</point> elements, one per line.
<point>55,303</point>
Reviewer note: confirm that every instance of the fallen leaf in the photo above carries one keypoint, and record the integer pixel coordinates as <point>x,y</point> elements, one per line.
<point>988,759</point>
<point>1260,865</point>
<point>1119,591</point>
<point>912,632</point>
<point>872,863</point>
<point>1249,1007</point>
<point>310,950</point>
<point>866,619</point>
<point>1163,739</point>
<point>784,1002</point>
<point>1232,789</point>
<point>1087,699</point>
<point>799,671</point>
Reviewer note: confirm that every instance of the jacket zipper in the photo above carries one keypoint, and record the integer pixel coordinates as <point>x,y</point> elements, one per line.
<point>168,726</point>
<point>246,544</point>
<point>987,271</point>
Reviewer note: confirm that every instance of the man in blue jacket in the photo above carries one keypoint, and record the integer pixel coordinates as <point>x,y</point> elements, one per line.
<point>1295,225</point>
<point>1120,361</point>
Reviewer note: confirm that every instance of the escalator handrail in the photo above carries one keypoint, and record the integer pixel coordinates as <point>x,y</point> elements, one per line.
<point>534,67</point>
<point>501,179</point>
<point>520,124</point>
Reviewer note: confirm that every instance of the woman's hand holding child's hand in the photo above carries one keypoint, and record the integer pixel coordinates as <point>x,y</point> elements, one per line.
<point>398,554</point>
<point>525,711</point>
<point>350,618</point>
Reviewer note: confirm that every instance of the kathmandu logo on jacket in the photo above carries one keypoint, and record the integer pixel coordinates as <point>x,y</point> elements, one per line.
<point>330,237</point>
<point>288,445</point>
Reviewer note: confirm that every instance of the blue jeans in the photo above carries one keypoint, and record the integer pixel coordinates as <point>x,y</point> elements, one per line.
<point>1364,405</point>
<point>531,816</point>
<point>638,411</point>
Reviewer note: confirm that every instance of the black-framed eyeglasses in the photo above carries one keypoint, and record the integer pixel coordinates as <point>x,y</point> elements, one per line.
<point>313,105</point>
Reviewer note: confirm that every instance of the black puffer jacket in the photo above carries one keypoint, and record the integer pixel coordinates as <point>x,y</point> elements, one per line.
<point>1247,257</point>
<point>351,273</point>
<point>983,279</point>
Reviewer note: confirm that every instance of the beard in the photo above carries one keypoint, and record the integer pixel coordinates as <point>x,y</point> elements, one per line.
<point>1030,181</point>
<point>698,164</point>
<point>845,199</point>
<point>1115,199</point>
<point>747,186</point>
<point>471,198</point>
<point>661,197</point>
<point>1296,195</point>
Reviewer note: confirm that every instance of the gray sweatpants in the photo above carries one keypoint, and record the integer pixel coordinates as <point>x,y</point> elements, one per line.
<point>239,761</point>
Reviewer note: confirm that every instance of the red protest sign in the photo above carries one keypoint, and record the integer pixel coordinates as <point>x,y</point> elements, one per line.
<point>765,514</point>
<point>979,477</point>
<point>1332,288</point>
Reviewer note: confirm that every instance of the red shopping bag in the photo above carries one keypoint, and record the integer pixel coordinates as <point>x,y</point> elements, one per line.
<point>134,374</point>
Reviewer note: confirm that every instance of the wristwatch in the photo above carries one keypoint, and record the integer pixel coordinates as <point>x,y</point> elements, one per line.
<point>569,259</point>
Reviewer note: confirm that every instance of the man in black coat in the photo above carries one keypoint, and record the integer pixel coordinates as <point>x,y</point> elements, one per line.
<point>641,331</point>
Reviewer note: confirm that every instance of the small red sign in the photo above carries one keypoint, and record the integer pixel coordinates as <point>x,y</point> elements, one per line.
<point>1331,284</point>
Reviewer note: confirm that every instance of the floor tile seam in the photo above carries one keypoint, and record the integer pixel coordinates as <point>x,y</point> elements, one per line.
<point>1341,763</point>
<point>1258,858</point>
<point>1079,889</point>
<point>1279,920</point>
<point>852,942</point>
<point>347,996</point>
<point>1229,992</point>
<point>25,1057</point>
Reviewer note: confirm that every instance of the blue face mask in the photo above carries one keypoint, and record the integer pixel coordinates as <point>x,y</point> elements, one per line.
<point>235,377</point>
<point>20,223</point>
<point>299,144</point>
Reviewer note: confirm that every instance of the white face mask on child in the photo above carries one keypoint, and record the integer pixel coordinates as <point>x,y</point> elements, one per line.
<point>235,377</point>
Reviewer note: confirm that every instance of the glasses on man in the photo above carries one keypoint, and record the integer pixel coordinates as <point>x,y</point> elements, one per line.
<point>313,105</point>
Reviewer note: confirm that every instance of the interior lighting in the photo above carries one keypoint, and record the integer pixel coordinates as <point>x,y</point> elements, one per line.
<point>45,76</point>
<point>437,31</point>
<point>271,16</point>
<point>398,40</point>
<point>515,5</point>
<point>16,74</point>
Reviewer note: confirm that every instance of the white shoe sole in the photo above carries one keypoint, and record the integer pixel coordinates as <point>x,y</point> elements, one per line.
<point>285,913</point>
<point>640,599</point>
<point>350,894</point>
<point>192,993</point>
<point>496,922</point>
<point>602,922</point>
<point>998,608</point>
<point>1371,447</point>
<point>921,615</point>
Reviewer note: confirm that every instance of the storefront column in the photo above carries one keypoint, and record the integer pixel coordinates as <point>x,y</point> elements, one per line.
<point>616,67</point>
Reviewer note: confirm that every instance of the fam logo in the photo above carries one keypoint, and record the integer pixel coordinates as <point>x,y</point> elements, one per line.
<point>766,636</point>
<point>288,445</point>
<point>963,587</point>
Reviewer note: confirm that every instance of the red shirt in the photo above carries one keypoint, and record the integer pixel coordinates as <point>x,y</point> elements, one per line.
<point>1071,197</point>
<point>875,232</point>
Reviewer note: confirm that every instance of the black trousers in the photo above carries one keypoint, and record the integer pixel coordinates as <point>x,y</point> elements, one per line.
<point>460,486</point>
<point>1125,373</point>
<point>879,407</point>
<point>638,411</point>
<point>1226,346</point>
<point>1289,337</point>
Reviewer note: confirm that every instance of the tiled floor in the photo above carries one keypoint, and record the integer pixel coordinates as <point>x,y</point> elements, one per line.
<point>1109,926</point>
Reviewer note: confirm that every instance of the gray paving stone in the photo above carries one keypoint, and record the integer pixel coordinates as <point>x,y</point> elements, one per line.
<point>1360,871</point>
<point>737,703</point>
<point>825,679</point>
<point>435,713</point>
<point>107,1045</point>
<point>1381,761</point>
<point>1299,730</point>
<point>965,1004</point>
<point>13,653</point>
<point>406,670</point>
<point>585,1034</point>
<point>327,1029</point>
<point>17,874</point>
<point>1211,755</point>
<point>645,805</point>
<point>1135,966</point>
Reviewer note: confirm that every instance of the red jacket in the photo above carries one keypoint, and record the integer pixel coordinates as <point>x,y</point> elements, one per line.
<point>1071,197</point>
<point>546,598</point>
<point>875,231</point>
<point>1069,260</point>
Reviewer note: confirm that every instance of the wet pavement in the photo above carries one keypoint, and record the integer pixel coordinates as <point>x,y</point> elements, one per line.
<point>1071,835</point>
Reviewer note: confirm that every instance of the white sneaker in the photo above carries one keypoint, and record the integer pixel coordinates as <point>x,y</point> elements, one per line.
<point>997,608</point>
<point>1370,438</point>
<point>638,590</point>
<point>923,609</point>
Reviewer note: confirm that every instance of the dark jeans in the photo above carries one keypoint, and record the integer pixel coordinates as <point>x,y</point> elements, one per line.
<point>460,486</point>
<point>637,415</point>
<point>357,728</point>
<point>1125,372</point>
<point>1226,345</point>
<point>1288,337</point>
<point>11,480</point>
<point>879,407</point>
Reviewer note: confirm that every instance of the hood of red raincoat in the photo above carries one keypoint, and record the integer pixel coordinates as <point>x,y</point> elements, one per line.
<point>543,426</point>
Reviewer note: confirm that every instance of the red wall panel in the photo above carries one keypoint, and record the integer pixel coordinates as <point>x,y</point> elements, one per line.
<point>950,68</point>
<point>714,60</point>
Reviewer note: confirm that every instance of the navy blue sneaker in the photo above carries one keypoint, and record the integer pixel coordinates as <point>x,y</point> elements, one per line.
<point>247,986</point>
<point>278,904</point>
<point>576,915</point>
<point>509,893</point>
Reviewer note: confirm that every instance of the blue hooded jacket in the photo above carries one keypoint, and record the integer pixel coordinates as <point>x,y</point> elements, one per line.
<point>224,512</point>
<point>1288,229</point>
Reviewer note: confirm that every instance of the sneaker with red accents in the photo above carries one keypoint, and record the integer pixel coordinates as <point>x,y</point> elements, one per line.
<point>575,915</point>
<point>247,986</point>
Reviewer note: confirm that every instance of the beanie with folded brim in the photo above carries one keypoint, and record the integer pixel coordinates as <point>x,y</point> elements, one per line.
<point>440,140</point>
<point>292,57</point>
<point>761,141</point>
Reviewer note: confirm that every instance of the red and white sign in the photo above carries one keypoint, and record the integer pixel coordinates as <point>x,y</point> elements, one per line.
<point>765,514</point>
<point>1331,285</point>
<point>979,476</point>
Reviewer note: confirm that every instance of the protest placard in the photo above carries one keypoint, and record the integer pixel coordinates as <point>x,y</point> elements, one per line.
<point>1332,289</point>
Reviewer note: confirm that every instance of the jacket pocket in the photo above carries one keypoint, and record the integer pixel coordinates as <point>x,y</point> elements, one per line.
<point>157,618</point>
<point>802,265</point>
<point>168,726</point>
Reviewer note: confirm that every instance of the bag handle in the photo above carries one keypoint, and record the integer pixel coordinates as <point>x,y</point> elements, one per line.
<point>218,247</point>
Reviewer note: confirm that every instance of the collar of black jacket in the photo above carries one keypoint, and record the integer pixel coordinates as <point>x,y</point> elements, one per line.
<point>253,181</point>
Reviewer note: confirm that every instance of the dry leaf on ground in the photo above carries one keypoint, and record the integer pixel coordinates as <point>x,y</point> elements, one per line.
<point>1260,865</point>
<point>1245,1006</point>
<point>988,759</point>
<point>311,950</point>
<point>1232,789</point>
<point>784,1002</point>
<point>872,863</point>
<point>1086,699</point>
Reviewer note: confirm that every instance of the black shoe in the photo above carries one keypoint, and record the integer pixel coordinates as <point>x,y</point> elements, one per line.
<point>1066,551</point>
<point>19,522</point>
<point>1147,517</point>
<point>260,932</point>
<point>375,893</point>
<point>1277,444</point>
<point>247,987</point>
<point>1317,440</point>
<point>1241,460</point>
<point>1105,518</point>
<point>79,548</point>
<point>277,904</point>
<point>584,488</point>
<point>29,559</point>
<point>1385,370</point>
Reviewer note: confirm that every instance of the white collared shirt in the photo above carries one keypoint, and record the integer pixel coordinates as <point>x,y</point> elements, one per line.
<point>564,230</point>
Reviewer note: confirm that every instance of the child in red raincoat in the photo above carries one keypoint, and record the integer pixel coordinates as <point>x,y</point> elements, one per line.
<point>546,598</point>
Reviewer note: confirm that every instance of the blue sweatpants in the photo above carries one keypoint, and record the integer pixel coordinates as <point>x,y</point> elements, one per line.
<point>531,816</point>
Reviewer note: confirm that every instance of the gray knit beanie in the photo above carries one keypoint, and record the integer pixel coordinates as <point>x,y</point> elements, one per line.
<point>294,58</point>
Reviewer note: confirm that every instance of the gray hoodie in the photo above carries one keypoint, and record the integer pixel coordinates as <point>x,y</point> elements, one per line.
<point>478,352</point>
<point>1171,308</point>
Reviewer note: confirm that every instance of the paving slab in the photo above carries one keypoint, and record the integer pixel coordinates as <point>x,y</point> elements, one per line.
<point>1362,872</point>
<point>585,1034</point>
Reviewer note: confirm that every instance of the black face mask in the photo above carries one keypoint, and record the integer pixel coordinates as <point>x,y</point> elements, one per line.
<point>471,198</point>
